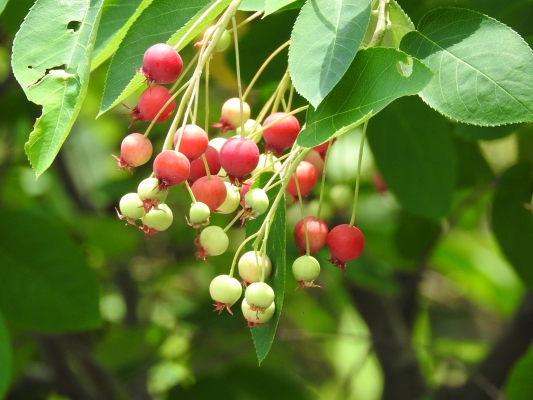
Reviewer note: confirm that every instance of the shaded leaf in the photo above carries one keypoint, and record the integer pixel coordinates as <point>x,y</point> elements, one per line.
<point>377,76</point>
<point>415,236</point>
<point>48,285</point>
<point>5,358</point>
<point>519,385</point>
<point>472,168</point>
<point>272,6</point>
<point>324,41</point>
<point>483,68</point>
<point>512,222</point>
<point>51,58</point>
<point>415,156</point>
<point>276,248</point>
<point>162,21</point>
<point>474,132</point>
<point>2,6</point>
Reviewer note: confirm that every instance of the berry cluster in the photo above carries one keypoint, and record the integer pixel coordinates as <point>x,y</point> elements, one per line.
<point>219,176</point>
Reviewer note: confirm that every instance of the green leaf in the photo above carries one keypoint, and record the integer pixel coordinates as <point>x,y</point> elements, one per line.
<point>47,284</point>
<point>519,385</point>
<point>272,6</point>
<point>161,21</point>
<point>413,149</point>
<point>117,17</point>
<point>483,68</point>
<point>474,132</point>
<point>324,41</point>
<point>415,236</point>
<point>376,77</point>
<point>472,168</point>
<point>264,336</point>
<point>3,4</point>
<point>512,222</point>
<point>5,358</point>
<point>252,5</point>
<point>51,58</point>
<point>400,25</point>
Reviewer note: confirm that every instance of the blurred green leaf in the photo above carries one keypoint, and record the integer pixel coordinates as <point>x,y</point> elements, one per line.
<point>416,236</point>
<point>324,41</point>
<point>472,168</point>
<point>512,222</point>
<point>51,59</point>
<point>275,249</point>
<point>473,132</point>
<point>47,286</point>
<point>272,6</point>
<point>5,358</point>
<point>471,86</point>
<point>2,6</point>
<point>519,385</point>
<point>413,149</point>
<point>377,76</point>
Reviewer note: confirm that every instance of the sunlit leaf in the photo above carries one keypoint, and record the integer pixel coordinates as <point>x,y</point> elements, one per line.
<point>252,5</point>
<point>274,5</point>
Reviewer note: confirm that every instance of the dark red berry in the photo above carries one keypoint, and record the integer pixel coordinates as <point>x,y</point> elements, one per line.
<point>345,243</point>
<point>307,179</point>
<point>211,192</point>
<point>193,141</point>
<point>161,64</point>
<point>151,102</point>
<point>135,150</point>
<point>317,231</point>
<point>282,134</point>
<point>171,168</point>
<point>239,156</point>
<point>198,167</point>
<point>322,148</point>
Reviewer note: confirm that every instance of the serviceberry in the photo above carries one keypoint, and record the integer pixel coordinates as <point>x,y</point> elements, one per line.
<point>194,141</point>
<point>135,150</point>
<point>251,265</point>
<point>345,243</point>
<point>151,101</point>
<point>171,168</point>
<point>225,291</point>
<point>161,64</point>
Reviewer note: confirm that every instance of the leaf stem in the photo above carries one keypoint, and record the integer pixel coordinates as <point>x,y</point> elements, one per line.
<point>323,184</point>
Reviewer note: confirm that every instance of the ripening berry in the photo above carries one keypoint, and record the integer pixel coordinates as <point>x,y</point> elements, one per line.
<point>193,141</point>
<point>198,166</point>
<point>161,64</point>
<point>239,156</point>
<point>345,243</point>
<point>256,201</point>
<point>222,44</point>
<point>211,191</point>
<point>282,134</point>
<point>307,179</point>
<point>135,150</point>
<point>230,117</point>
<point>317,231</point>
<point>171,168</point>
<point>151,101</point>
<point>225,291</point>
<point>257,318</point>
<point>251,265</point>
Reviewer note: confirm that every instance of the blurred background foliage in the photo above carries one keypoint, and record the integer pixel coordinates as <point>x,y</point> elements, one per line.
<point>157,336</point>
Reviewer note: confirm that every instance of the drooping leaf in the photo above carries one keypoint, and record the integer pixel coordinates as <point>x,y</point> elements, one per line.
<point>272,6</point>
<point>376,77</point>
<point>5,358</point>
<point>51,58</point>
<point>400,25</point>
<point>47,284</point>
<point>162,21</point>
<point>275,249</point>
<point>324,41</point>
<point>519,385</point>
<point>483,68</point>
<point>117,17</point>
<point>512,222</point>
<point>415,156</point>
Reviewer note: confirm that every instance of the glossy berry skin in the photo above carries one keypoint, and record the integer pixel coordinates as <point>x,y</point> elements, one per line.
<point>257,318</point>
<point>150,102</point>
<point>230,117</point>
<point>212,241</point>
<point>305,270</point>
<point>211,192</point>
<point>232,201</point>
<point>225,291</point>
<point>198,167</point>
<point>322,148</point>
<point>345,243</point>
<point>193,141</point>
<point>282,134</point>
<point>256,201</point>
<point>171,168</point>
<point>157,220</point>
<point>149,193</point>
<point>317,231</point>
<point>199,214</point>
<point>131,207</point>
<point>307,179</point>
<point>135,150</point>
<point>251,265</point>
<point>161,64</point>
<point>259,296</point>
<point>239,156</point>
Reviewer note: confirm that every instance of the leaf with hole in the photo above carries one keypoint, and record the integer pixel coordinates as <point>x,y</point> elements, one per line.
<point>483,68</point>
<point>51,58</point>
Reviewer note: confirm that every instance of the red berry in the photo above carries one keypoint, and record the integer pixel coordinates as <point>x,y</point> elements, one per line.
<point>171,168</point>
<point>322,148</point>
<point>198,166</point>
<point>211,192</point>
<point>135,150</point>
<point>239,156</point>
<point>282,134</point>
<point>307,179</point>
<point>379,183</point>
<point>316,159</point>
<point>345,243</point>
<point>150,102</point>
<point>193,142</point>
<point>161,64</point>
<point>317,231</point>
<point>230,117</point>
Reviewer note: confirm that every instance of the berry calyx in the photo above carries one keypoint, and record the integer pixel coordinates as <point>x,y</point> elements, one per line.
<point>193,141</point>
<point>282,134</point>
<point>307,179</point>
<point>171,168</point>
<point>305,270</point>
<point>251,265</point>
<point>211,191</point>
<point>230,117</point>
<point>345,243</point>
<point>255,202</point>
<point>259,296</point>
<point>232,201</point>
<point>151,101</point>
<point>135,150</point>
<point>199,215</point>
<point>225,291</point>
<point>239,156</point>
<point>198,167</point>
<point>212,241</point>
<point>317,230</point>
<point>157,220</point>
<point>257,318</point>
<point>161,64</point>
<point>131,207</point>
<point>149,193</point>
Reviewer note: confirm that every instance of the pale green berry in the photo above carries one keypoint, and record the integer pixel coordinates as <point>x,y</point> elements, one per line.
<point>306,269</point>
<point>159,219</point>
<point>214,240</point>
<point>257,317</point>
<point>341,196</point>
<point>224,41</point>
<point>225,290</point>
<point>199,213</point>
<point>217,142</point>
<point>251,265</point>
<point>149,189</point>
<point>131,206</point>
<point>232,201</point>
<point>259,295</point>
<point>257,200</point>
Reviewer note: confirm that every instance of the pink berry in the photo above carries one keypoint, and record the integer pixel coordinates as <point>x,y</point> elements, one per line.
<point>239,156</point>
<point>161,64</point>
<point>171,168</point>
<point>230,117</point>
<point>317,231</point>
<point>193,142</point>
<point>151,102</point>
<point>282,134</point>
<point>211,192</point>
<point>345,243</point>
<point>198,167</point>
<point>135,150</point>
<point>307,179</point>
<point>322,148</point>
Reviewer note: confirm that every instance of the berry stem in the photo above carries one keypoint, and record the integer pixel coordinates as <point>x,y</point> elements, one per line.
<point>206,112</point>
<point>250,18</point>
<point>193,199</point>
<point>300,201</point>
<point>206,166</point>
<point>232,269</point>
<point>280,91</point>
<point>381,26</point>
<point>291,94</point>
<point>323,184</point>
<point>358,177</point>
<point>239,214</point>
<point>239,86</point>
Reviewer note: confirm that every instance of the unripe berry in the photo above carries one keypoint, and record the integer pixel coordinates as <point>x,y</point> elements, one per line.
<point>345,243</point>
<point>161,64</point>
<point>157,220</point>
<point>305,270</point>
<point>131,206</point>
<point>225,291</point>
<point>149,193</point>
<point>222,44</point>
<point>135,150</point>
<point>231,115</point>
<point>199,214</point>
<point>259,296</point>
<point>251,266</point>
<point>213,241</point>
<point>171,168</point>
<point>307,179</point>
<point>256,200</point>
<point>282,134</point>
<point>193,142</point>
<point>232,200</point>
<point>317,231</point>
<point>341,196</point>
<point>151,101</point>
<point>257,318</point>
